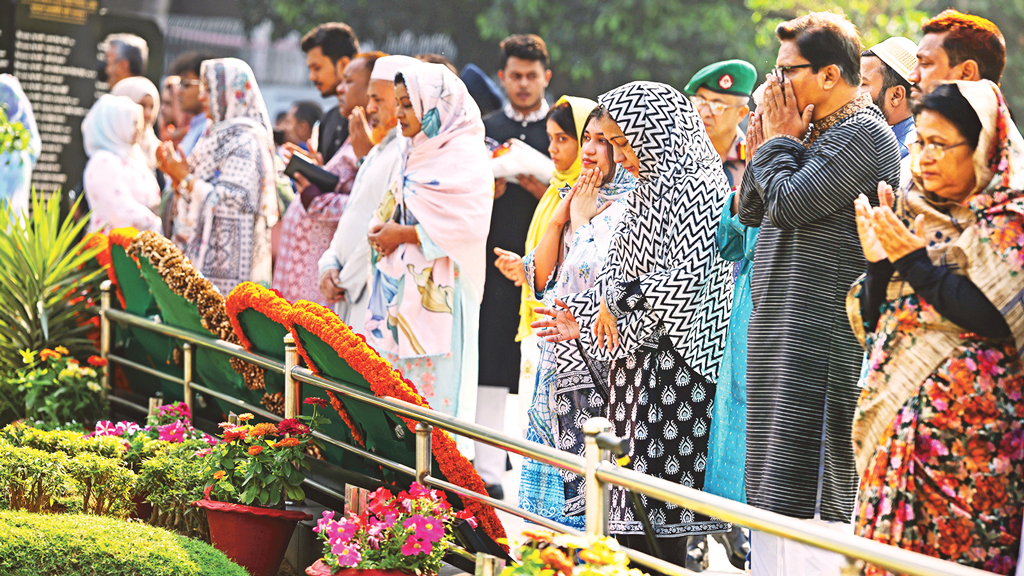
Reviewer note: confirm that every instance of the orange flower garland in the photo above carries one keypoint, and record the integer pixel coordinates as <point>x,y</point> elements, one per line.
<point>249,295</point>
<point>387,382</point>
<point>122,237</point>
<point>103,258</point>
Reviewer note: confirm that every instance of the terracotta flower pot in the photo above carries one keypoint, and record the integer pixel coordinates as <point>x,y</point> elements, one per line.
<point>254,538</point>
<point>320,569</point>
<point>143,509</point>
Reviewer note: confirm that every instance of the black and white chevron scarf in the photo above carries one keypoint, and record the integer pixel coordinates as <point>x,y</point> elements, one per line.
<point>666,241</point>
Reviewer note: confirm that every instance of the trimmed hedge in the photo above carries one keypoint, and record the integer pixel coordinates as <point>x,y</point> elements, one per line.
<point>40,481</point>
<point>68,442</point>
<point>79,545</point>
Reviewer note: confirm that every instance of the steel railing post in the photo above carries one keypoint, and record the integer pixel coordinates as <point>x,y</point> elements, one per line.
<point>187,349</point>
<point>423,451</point>
<point>105,288</point>
<point>291,386</point>
<point>596,491</point>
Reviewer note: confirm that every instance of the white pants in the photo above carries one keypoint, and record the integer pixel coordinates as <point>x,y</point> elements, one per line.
<point>490,412</point>
<point>775,556</point>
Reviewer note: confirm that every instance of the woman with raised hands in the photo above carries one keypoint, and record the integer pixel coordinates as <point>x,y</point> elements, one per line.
<point>938,434</point>
<point>660,308</point>
<point>227,189</point>
<point>567,259</point>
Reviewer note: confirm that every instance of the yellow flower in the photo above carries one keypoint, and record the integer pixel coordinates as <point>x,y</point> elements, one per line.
<point>245,417</point>
<point>62,350</point>
<point>27,356</point>
<point>93,386</point>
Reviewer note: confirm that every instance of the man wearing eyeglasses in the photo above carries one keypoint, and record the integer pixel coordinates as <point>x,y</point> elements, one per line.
<point>817,145</point>
<point>720,92</point>
<point>187,67</point>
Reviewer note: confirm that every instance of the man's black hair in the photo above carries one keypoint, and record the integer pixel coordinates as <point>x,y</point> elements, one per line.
<point>524,47</point>
<point>335,39</point>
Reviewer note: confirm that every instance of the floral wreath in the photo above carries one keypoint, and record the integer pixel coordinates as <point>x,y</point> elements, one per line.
<point>270,303</point>
<point>103,258</point>
<point>183,279</point>
<point>386,382</point>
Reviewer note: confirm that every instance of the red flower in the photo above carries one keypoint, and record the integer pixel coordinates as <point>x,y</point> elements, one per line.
<point>287,443</point>
<point>292,426</point>
<point>322,403</point>
<point>232,434</point>
<point>97,361</point>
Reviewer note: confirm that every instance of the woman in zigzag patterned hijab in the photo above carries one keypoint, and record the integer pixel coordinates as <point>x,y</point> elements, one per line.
<point>660,309</point>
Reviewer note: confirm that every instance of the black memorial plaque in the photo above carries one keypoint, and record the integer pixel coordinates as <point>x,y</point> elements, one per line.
<point>53,48</point>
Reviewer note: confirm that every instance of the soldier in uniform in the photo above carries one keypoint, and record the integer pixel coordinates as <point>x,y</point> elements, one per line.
<point>721,94</point>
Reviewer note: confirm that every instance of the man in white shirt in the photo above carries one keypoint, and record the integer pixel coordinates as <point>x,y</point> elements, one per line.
<point>344,266</point>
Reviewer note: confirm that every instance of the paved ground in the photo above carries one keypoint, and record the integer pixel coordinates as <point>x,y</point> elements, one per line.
<point>515,525</point>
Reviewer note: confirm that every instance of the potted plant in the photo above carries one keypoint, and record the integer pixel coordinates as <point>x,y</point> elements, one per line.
<point>547,554</point>
<point>249,476</point>
<point>395,535</point>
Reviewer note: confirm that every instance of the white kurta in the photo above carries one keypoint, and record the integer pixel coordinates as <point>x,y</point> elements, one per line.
<point>349,251</point>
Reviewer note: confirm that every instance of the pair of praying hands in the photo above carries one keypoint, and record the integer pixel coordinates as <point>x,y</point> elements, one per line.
<point>780,115</point>
<point>578,207</point>
<point>882,234</point>
<point>171,161</point>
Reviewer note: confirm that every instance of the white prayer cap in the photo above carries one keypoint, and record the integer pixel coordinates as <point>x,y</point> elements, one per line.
<point>899,53</point>
<point>385,68</point>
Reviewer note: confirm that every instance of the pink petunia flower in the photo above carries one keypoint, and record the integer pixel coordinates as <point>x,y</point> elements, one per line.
<point>414,546</point>
<point>348,555</point>
<point>426,528</point>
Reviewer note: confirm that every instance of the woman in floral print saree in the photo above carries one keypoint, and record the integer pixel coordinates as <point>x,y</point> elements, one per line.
<point>939,434</point>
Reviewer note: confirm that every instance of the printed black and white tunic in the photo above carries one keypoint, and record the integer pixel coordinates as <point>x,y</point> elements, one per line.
<point>802,358</point>
<point>671,293</point>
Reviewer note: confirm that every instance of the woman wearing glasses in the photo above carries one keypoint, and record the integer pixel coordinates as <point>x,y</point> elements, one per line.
<point>938,435</point>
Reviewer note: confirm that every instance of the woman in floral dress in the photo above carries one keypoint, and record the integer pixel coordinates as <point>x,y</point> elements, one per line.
<point>939,435</point>
<point>567,260</point>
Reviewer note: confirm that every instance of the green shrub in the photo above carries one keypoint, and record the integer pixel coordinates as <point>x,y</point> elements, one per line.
<point>106,486</point>
<point>73,545</point>
<point>71,443</point>
<point>34,480</point>
<point>40,481</point>
<point>171,481</point>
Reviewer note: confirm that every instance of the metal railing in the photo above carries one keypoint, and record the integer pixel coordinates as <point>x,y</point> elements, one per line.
<point>597,468</point>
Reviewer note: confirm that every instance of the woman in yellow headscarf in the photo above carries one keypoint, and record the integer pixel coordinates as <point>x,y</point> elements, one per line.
<point>565,123</point>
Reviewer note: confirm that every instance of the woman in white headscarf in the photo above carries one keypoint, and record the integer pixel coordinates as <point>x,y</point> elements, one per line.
<point>16,165</point>
<point>144,93</point>
<point>121,189</point>
<point>227,195</point>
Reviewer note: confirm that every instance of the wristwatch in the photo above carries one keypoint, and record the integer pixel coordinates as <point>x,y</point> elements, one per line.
<point>186,183</point>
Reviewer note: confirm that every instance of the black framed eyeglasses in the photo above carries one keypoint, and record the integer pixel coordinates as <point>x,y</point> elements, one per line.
<point>780,71</point>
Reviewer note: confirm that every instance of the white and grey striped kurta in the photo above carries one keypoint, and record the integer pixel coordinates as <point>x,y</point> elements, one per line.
<point>802,358</point>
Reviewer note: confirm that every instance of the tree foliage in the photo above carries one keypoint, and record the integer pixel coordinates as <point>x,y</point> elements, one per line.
<point>596,45</point>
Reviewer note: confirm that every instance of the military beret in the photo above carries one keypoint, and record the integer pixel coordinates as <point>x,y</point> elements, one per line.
<point>735,77</point>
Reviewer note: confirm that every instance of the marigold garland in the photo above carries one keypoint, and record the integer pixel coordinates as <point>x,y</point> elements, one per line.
<point>384,382</point>
<point>104,259</point>
<point>270,303</point>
